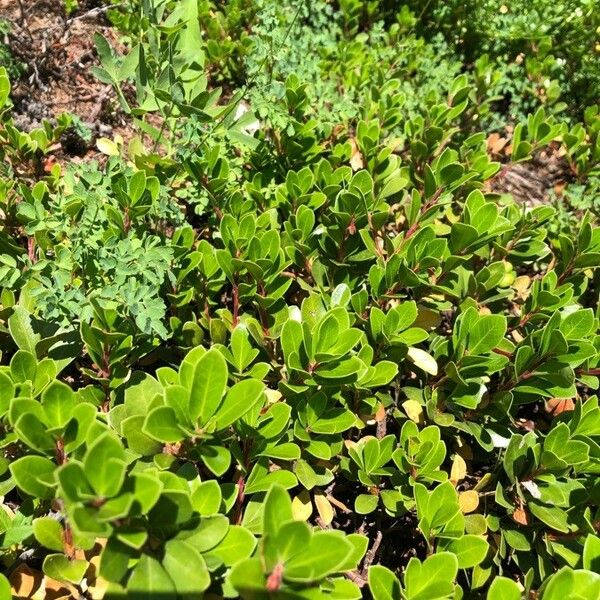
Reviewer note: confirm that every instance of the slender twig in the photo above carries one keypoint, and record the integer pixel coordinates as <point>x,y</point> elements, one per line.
<point>94,12</point>
<point>372,553</point>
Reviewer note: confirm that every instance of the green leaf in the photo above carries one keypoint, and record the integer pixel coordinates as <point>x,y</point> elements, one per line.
<point>7,392</point>
<point>132,429</point>
<point>59,567</point>
<point>552,516</point>
<point>277,510</point>
<point>470,550</point>
<point>186,567</point>
<point>19,325</point>
<point>365,503</point>
<point>208,386</point>
<point>23,366</point>
<point>4,90</point>
<point>503,588</point>
<point>49,533</point>
<point>34,475</point>
<point>5,591</point>
<point>216,458</point>
<point>591,553</point>
<point>206,498</point>
<point>114,560</point>
<point>248,577</point>
<point>383,584</point>
<point>323,556</point>
<point>573,584</point>
<point>161,424</point>
<point>149,580</point>
<point>238,544</point>
<point>432,579</point>
<point>344,370</point>
<point>423,360</point>
<point>107,147</point>
<point>487,332</point>
<point>578,324</point>
<point>59,401</point>
<point>34,433</point>
<point>240,399</point>
<point>208,534</point>
<point>104,465</point>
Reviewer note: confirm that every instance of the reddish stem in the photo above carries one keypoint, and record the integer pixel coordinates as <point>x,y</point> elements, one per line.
<point>31,249</point>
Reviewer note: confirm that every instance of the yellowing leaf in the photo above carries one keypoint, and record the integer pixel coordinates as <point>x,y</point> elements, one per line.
<point>468,501</point>
<point>464,449</point>
<point>521,286</point>
<point>413,410</point>
<point>427,318</point>
<point>136,147</point>
<point>423,360</point>
<point>272,396</point>
<point>107,147</point>
<point>302,506</point>
<point>458,470</point>
<point>483,482</point>
<point>324,508</point>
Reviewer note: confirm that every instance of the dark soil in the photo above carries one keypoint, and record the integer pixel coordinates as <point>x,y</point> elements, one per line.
<point>533,181</point>
<point>57,53</point>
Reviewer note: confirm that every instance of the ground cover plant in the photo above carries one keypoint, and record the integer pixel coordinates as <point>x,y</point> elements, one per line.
<point>307,309</point>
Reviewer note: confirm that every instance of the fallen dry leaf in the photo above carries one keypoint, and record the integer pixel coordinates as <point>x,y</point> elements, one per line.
<point>55,590</point>
<point>559,187</point>
<point>496,143</point>
<point>25,581</point>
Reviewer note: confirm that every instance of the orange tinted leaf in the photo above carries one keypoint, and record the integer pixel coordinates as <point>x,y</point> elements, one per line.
<point>556,406</point>
<point>521,516</point>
